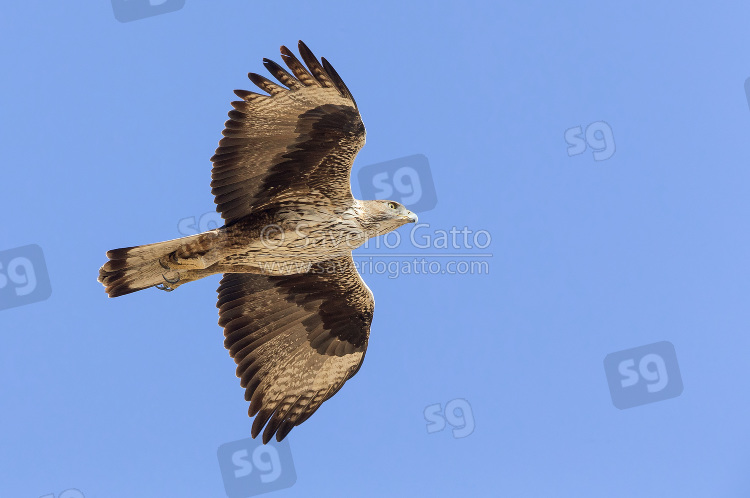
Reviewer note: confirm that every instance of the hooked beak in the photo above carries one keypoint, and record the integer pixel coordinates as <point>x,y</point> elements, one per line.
<point>410,217</point>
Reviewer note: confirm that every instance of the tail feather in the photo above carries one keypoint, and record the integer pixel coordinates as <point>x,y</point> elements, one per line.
<point>131,269</point>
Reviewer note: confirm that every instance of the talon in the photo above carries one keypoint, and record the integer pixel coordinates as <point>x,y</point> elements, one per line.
<point>171,281</point>
<point>164,288</point>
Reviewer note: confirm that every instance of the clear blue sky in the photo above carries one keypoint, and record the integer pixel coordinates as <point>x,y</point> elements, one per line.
<point>107,128</point>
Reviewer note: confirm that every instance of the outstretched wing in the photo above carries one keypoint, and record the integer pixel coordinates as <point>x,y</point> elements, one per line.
<point>298,141</point>
<point>296,339</point>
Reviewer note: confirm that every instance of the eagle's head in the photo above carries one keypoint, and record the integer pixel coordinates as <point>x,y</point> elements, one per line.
<point>381,217</point>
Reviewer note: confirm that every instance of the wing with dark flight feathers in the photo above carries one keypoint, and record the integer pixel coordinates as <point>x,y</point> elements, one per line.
<point>296,339</point>
<point>298,141</point>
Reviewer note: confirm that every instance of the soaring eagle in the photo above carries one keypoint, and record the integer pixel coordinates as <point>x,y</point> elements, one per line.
<point>296,313</point>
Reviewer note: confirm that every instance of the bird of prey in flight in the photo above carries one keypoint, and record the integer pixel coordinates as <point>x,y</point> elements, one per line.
<point>296,313</point>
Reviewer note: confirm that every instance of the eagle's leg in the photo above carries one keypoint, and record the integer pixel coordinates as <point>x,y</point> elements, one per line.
<point>197,254</point>
<point>174,261</point>
<point>191,261</point>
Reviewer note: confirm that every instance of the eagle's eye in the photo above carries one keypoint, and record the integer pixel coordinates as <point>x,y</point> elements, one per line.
<point>392,205</point>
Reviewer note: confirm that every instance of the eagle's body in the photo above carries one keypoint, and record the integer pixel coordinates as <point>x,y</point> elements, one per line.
<point>296,314</point>
<point>298,233</point>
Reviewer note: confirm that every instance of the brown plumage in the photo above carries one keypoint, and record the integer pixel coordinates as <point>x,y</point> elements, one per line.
<point>296,314</point>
